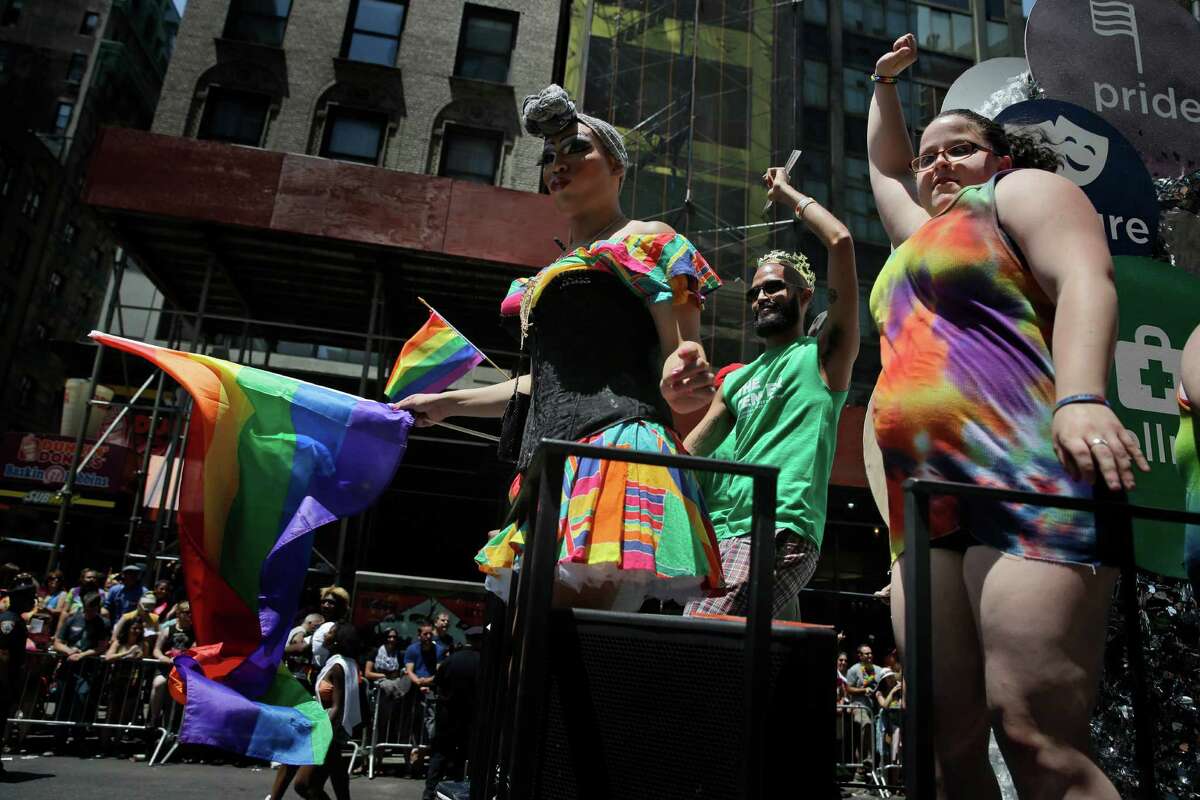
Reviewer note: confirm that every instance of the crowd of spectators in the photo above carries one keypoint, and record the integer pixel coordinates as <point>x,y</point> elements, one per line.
<point>418,691</point>
<point>870,703</point>
<point>97,642</point>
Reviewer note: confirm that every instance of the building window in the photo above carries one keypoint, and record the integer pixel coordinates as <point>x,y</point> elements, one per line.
<point>470,155</point>
<point>816,84</point>
<point>375,27</point>
<point>77,67</point>
<point>54,285</point>
<point>258,21</point>
<point>486,43</point>
<point>354,135</point>
<point>12,12</point>
<point>33,201</point>
<point>62,117</point>
<point>235,117</point>
<point>945,31</point>
<point>91,21</point>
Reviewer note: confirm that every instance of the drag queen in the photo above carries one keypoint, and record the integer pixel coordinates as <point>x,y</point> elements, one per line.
<point>611,329</point>
<point>995,269</point>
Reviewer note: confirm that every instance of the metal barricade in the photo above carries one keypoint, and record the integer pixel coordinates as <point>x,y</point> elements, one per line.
<point>870,752</point>
<point>86,696</point>
<point>396,725</point>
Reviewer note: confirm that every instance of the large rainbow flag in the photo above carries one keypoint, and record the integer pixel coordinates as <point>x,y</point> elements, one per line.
<point>436,356</point>
<point>268,460</point>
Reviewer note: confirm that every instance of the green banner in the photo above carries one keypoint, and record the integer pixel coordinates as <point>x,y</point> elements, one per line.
<point>1160,306</point>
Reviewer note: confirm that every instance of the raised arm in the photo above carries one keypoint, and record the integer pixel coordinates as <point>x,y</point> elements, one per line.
<point>839,338</point>
<point>484,401</point>
<point>1055,226</point>
<point>889,150</point>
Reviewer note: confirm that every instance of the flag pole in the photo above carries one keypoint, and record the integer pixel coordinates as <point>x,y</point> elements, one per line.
<point>461,429</point>
<point>456,330</point>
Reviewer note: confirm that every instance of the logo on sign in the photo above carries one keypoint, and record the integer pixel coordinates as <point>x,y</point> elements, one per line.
<point>1084,153</point>
<point>1114,18</point>
<point>1148,372</point>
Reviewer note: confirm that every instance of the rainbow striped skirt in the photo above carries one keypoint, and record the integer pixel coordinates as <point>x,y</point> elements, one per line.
<point>643,528</point>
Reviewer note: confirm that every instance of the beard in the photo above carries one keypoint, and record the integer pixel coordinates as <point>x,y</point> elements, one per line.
<point>772,319</point>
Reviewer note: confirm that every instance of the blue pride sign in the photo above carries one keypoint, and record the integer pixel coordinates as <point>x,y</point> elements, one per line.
<point>1102,162</point>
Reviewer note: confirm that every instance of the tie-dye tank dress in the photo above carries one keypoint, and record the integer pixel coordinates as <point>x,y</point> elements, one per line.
<point>966,392</point>
<point>1187,457</point>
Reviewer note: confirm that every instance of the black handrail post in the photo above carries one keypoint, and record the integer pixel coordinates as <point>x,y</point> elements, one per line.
<point>758,631</point>
<point>539,569</point>
<point>917,574</point>
<point>1115,528</point>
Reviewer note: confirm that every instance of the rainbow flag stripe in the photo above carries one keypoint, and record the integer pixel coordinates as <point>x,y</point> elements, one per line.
<point>268,460</point>
<point>435,357</point>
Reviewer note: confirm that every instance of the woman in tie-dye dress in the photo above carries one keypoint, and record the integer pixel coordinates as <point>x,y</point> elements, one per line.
<point>996,303</point>
<point>612,332</point>
<point>1187,451</point>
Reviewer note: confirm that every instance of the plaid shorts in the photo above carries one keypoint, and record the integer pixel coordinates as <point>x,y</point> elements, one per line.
<point>795,562</point>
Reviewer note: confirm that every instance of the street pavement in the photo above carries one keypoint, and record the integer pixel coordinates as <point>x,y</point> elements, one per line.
<point>51,778</point>
<point>39,778</point>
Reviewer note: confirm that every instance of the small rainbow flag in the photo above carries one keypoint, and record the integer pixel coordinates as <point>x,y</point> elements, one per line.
<point>268,460</point>
<point>435,357</point>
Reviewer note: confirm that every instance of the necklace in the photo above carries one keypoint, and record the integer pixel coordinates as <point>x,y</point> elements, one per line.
<point>613,224</point>
<point>531,287</point>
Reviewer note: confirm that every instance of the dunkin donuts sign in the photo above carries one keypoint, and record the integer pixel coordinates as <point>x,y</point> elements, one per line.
<point>36,458</point>
<point>1131,63</point>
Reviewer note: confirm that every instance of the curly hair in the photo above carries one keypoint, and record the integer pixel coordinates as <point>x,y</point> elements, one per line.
<point>794,262</point>
<point>1028,147</point>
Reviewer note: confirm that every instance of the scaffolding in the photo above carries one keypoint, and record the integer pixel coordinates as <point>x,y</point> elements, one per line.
<point>185,330</point>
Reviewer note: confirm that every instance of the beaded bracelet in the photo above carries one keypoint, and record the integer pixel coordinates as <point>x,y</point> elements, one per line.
<point>1081,398</point>
<point>877,78</point>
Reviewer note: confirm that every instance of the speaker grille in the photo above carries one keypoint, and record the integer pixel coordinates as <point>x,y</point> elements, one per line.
<point>652,707</point>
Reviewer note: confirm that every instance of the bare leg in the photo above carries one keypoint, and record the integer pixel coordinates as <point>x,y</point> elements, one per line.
<point>1042,628</point>
<point>283,778</point>
<point>960,718</point>
<point>310,782</point>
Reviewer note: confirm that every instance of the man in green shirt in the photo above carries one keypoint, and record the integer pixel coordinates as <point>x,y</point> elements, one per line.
<point>782,409</point>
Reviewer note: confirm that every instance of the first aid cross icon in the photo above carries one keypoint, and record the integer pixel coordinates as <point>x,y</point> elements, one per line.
<point>1157,379</point>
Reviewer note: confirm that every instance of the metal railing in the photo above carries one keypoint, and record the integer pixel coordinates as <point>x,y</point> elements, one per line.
<point>1114,523</point>
<point>870,751</point>
<point>92,696</point>
<point>396,725</point>
<point>512,717</point>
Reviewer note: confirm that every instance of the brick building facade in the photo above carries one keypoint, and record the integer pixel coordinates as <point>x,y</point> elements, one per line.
<point>416,87</point>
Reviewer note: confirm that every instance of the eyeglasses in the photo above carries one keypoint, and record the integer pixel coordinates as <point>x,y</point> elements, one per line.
<point>770,287</point>
<point>955,152</point>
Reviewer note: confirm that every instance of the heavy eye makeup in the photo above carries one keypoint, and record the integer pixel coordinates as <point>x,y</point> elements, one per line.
<point>575,146</point>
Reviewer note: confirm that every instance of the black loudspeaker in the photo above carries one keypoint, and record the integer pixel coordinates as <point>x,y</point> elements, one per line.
<point>643,706</point>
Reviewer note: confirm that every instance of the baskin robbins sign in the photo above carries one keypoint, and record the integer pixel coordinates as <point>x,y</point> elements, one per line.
<point>1132,63</point>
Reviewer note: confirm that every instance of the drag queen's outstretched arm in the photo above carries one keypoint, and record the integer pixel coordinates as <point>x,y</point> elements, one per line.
<point>485,401</point>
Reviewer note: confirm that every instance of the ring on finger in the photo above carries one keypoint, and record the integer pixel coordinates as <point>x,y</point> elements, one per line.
<point>1096,441</point>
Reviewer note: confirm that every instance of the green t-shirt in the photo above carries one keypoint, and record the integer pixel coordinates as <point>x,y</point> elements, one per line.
<point>784,416</point>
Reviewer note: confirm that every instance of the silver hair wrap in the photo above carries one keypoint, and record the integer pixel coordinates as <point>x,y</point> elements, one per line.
<point>550,110</point>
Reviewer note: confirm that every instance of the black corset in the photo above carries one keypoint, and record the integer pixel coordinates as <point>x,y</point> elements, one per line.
<point>595,360</point>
